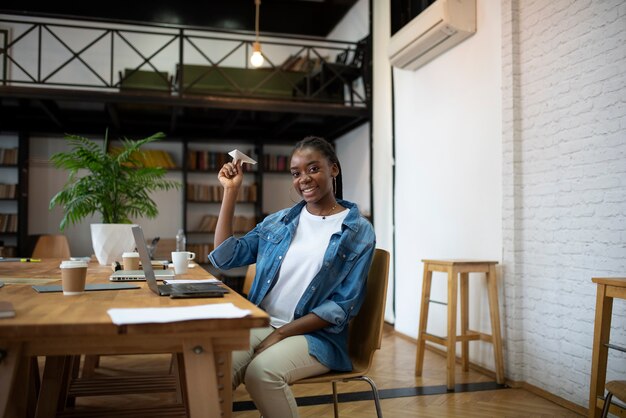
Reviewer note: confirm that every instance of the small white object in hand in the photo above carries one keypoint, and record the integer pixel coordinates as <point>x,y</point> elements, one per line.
<point>238,155</point>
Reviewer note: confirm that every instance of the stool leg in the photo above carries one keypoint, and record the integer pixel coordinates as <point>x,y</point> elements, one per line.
<point>601,335</point>
<point>607,405</point>
<point>452,297</point>
<point>494,313</point>
<point>464,320</point>
<point>421,343</point>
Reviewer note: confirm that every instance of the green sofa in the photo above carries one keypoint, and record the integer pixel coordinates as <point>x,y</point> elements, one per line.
<point>145,80</point>
<point>251,82</point>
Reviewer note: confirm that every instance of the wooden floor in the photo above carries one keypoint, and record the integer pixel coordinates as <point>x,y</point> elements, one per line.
<point>393,368</point>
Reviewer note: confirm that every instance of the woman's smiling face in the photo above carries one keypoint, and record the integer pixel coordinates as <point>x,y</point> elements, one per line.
<point>312,174</point>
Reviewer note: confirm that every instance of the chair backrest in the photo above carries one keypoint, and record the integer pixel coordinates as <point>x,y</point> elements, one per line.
<point>366,328</point>
<point>52,246</point>
<point>247,282</point>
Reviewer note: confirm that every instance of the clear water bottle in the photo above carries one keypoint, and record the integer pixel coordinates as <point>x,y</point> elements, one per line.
<point>181,241</point>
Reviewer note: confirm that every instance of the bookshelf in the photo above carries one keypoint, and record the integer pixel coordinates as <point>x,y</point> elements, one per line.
<point>13,196</point>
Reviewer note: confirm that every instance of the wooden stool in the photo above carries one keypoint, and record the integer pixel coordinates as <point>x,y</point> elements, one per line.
<point>608,288</point>
<point>454,268</point>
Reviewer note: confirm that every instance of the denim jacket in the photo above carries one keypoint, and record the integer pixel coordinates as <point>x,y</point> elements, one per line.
<point>335,294</point>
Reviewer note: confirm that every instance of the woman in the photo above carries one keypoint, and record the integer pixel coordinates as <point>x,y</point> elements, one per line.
<point>312,262</point>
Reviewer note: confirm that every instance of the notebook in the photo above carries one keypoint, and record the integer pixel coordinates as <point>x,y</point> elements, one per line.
<point>177,290</point>
<point>139,275</point>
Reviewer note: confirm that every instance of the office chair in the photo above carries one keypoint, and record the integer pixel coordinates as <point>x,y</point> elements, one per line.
<point>247,282</point>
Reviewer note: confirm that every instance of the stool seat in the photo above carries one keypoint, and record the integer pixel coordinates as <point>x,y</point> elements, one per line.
<point>459,268</point>
<point>615,388</point>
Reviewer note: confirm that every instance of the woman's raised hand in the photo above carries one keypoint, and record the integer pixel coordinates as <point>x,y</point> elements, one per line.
<point>231,175</point>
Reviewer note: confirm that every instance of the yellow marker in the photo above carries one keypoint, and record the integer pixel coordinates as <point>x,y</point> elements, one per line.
<point>30,260</point>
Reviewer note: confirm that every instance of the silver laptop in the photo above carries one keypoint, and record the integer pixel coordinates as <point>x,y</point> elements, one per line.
<point>139,275</point>
<point>177,290</point>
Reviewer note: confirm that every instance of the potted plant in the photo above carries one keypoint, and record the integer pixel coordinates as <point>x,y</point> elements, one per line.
<point>113,183</point>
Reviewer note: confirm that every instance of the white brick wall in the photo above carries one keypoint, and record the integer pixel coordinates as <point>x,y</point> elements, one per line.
<point>564,185</point>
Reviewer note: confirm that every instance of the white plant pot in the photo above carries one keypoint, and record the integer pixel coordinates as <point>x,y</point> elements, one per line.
<point>111,240</point>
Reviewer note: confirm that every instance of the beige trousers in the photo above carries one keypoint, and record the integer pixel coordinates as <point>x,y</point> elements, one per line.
<point>267,376</point>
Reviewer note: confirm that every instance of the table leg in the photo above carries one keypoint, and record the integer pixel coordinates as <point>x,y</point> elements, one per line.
<point>494,314</point>
<point>224,381</point>
<point>56,376</point>
<point>421,343</point>
<point>177,368</point>
<point>452,297</point>
<point>14,371</point>
<point>201,377</point>
<point>601,335</point>
<point>464,320</point>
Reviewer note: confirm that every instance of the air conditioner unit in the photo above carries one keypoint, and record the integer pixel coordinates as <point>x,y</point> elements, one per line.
<point>438,28</point>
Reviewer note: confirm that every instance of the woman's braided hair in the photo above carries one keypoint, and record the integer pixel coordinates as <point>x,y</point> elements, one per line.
<point>326,148</point>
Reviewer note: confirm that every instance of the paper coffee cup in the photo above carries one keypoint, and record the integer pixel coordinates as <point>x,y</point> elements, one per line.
<point>130,260</point>
<point>73,275</point>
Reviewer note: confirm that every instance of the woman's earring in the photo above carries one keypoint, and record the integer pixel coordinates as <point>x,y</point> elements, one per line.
<point>334,186</point>
<point>291,197</point>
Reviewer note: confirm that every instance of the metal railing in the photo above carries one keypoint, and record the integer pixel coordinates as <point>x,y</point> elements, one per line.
<point>178,60</point>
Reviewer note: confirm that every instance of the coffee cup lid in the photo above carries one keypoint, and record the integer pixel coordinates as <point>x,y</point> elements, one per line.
<point>130,254</point>
<point>73,264</point>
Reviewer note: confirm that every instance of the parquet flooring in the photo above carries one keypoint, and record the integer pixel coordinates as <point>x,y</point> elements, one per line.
<point>393,368</point>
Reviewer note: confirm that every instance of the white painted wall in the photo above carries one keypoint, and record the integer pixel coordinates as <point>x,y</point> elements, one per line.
<point>448,173</point>
<point>354,148</point>
<point>382,138</point>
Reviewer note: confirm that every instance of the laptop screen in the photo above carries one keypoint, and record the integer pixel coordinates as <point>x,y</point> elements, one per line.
<point>142,249</point>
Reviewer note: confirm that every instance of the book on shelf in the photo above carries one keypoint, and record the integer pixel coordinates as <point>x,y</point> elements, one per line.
<point>8,191</point>
<point>204,160</point>
<point>8,156</point>
<point>8,222</point>
<point>202,251</point>
<point>241,224</point>
<point>151,158</point>
<point>214,193</point>
<point>276,162</point>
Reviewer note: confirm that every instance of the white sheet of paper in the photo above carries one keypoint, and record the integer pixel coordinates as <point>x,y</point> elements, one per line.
<point>125,316</point>
<point>238,155</point>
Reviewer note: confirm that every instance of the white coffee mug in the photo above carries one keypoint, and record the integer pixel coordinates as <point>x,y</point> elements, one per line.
<point>181,259</point>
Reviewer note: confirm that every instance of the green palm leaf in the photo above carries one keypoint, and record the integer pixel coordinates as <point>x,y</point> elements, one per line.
<point>117,186</point>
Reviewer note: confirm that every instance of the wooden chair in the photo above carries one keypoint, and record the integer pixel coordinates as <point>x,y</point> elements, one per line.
<point>615,388</point>
<point>52,246</point>
<point>366,331</point>
<point>247,282</point>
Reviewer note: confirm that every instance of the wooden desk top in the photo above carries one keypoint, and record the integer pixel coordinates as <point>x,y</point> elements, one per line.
<point>610,281</point>
<point>56,315</point>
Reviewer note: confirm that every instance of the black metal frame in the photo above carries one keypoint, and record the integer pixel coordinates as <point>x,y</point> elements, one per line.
<point>182,37</point>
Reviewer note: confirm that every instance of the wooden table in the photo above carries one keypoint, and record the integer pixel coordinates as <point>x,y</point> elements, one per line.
<point>607,290</point>
<point>55,326</point>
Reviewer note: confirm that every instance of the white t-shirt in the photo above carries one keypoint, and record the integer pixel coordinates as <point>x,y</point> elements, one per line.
<point>302,262</point>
